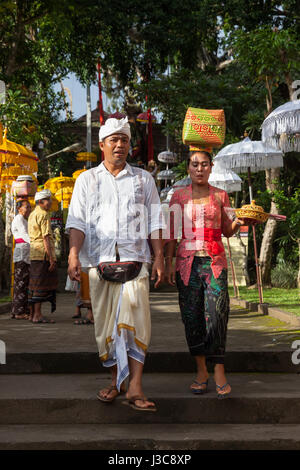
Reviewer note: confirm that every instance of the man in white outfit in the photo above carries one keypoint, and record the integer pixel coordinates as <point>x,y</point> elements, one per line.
<point>115,209</point>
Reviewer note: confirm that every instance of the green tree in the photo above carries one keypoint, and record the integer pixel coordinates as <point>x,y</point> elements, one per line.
<point>272,57</point>
<point>289,205</point>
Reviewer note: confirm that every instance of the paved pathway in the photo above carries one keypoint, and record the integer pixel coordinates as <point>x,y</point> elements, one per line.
<point>246,332</point>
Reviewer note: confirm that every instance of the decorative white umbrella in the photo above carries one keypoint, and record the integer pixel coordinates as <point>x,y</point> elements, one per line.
<point>183,182</point>
<point>167,192</point>
<point>247,156</point>
<point>167,157</point>
<point>166,175</point>
<point>224,178</point>
<point>281,128</point>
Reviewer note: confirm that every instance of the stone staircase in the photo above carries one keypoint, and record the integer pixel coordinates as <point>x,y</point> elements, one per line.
<point>61,411</point>
<point>49,385</point>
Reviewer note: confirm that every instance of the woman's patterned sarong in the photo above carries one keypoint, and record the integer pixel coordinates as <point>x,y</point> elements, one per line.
<point>21,281</point>
<point>204,306</point>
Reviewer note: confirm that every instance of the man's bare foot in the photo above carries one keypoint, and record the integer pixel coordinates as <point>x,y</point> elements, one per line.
<point>21,317</point>
<point>90,316</point>
<point>35,318</point>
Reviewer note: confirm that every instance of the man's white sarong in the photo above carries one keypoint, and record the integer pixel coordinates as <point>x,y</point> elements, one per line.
<point>122,320</point>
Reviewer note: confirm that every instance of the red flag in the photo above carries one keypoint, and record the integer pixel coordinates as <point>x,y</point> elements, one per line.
<point>150,136</point>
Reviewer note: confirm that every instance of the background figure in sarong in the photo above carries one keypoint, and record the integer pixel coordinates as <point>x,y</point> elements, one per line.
<point>19,228</point>
<point>43,270</point>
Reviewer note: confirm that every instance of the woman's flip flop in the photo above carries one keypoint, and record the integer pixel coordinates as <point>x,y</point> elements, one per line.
<point>221,396</point>
<point>200,391</point>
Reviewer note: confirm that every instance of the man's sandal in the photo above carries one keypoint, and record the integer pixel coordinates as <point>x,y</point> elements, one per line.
<point>200,391</point>
<point>43,320</point>
<point>83,321</point>
<point>221,396</point>
<point>132,403</point>
<point>76,316</point>
<point>108,390</point>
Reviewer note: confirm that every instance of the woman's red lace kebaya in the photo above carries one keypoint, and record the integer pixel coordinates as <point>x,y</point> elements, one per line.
<point>200,227</point>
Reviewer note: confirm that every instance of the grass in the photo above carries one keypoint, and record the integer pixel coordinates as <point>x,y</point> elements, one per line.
<point>285,299</point>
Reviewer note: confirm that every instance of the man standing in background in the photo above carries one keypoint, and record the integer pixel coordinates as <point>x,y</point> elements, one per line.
<point>43,271</point>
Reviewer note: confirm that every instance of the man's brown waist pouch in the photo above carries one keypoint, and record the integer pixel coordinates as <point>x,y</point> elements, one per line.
<point>119,271</point>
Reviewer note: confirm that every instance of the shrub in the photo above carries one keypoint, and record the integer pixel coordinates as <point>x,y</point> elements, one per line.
<point>284,275</point>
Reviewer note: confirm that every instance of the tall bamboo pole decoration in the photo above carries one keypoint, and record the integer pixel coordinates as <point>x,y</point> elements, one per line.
<point>12,281</point>
<point>258,277</point>
<point>232,268</point>
<point>88,123</point>
<point>101,112</point>
<point>150,136</point>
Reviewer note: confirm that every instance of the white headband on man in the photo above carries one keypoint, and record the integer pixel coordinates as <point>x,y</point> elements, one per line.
<point>114,126</point>
<point>44,194</point>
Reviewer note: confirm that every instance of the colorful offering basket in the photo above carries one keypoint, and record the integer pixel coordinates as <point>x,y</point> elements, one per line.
<point>252,212</point>
<point>204,129</point>
<point>24,186</point>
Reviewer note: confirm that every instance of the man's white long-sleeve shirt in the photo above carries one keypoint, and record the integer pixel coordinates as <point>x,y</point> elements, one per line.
<point>123,209</point>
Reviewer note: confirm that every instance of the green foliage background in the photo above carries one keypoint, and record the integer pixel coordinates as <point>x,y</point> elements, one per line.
<point>238,55</point>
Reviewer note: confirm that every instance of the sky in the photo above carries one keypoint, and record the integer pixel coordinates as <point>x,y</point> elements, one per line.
<point>78,93</point>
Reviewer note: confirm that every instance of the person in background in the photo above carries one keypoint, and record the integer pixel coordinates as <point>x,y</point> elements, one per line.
<point>19,228</point>
<point>152,168</point>
<point>43,271</point>
<point>83,300</point>
<point>140,164</point>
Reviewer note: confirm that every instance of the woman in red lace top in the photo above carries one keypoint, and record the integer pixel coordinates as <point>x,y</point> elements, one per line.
<point>200,271</point>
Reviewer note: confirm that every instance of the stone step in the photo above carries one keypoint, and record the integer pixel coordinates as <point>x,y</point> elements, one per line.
<point>71,399</point>
<point>156,361</point>
<point>135,437</point>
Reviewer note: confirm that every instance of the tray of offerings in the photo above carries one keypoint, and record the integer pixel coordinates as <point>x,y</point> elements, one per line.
<point>253,212</point>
